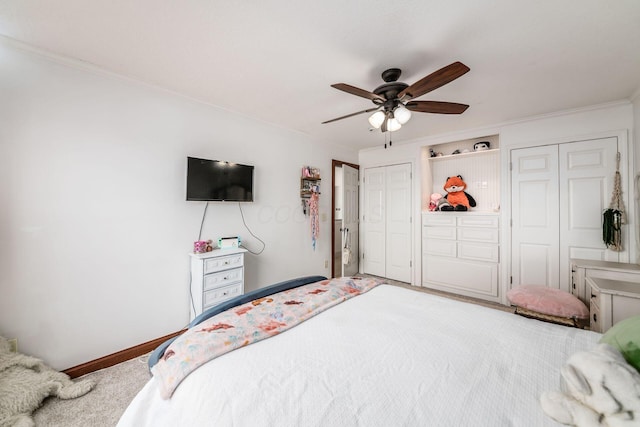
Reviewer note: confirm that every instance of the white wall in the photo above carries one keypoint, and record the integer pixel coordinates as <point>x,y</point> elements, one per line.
<point>94,226</point>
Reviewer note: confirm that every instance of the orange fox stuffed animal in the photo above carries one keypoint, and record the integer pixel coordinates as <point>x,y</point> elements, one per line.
<point>456,196</point>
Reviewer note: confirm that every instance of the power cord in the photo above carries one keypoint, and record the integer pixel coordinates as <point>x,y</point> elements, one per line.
<point>264,245</point>
<point>204,214</point>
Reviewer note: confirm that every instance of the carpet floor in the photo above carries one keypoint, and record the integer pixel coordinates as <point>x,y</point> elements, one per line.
<point>118,385</point>
<point>104,405</point>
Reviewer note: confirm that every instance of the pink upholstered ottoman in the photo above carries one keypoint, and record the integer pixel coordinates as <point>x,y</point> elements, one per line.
<point>548,304</point>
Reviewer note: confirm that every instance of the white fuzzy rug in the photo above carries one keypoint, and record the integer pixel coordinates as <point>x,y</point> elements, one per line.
<point>26,381</point>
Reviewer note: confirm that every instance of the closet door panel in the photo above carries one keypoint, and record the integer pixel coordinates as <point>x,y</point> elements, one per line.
<point>534,195</point>
<point>586,172</point>
<point>387,222</point>
<point>374,219</point>
<point>398,204</point>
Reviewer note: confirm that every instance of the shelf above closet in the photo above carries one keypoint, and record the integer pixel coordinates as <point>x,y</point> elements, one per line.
<point>470,153</point>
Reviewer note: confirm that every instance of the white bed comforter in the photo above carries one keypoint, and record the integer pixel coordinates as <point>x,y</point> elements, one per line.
<point>390,357</point>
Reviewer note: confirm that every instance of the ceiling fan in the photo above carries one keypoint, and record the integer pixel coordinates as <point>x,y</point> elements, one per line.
<point>393,98</point>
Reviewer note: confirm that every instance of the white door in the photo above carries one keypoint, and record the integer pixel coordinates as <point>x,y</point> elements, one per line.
<point>558,194</point>
<point>535,222</point>
<point>374,219</point>
<point>350,219</point>
<point>398,236</point>
<point>387,222</point>
<point>587,171</point>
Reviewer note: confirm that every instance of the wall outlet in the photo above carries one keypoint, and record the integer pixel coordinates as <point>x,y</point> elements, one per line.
<point>13,345</point>
<point>326,263</point>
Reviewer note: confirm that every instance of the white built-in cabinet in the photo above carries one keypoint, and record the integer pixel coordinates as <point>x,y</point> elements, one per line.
<point>461,253</point>
<point>461,250</point>
<point>558,194</point>
<point>386,220</point>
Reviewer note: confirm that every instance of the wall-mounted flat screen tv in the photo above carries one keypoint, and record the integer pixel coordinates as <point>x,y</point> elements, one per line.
<point>215,180</point>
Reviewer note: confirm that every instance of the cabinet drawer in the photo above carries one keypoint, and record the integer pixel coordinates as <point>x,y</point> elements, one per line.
<point>215,280</point>
<point>472,234</point>
<point>478,251</point>
<point>455,274</point>
<point>440,247</point>
<point>439,220</point>
<point>478,221</point>
<point>439,233</point>
<point>222,263</point>
<point>218,295</point>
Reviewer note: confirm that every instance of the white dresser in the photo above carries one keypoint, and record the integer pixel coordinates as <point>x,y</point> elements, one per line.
<point>611,301</point>
<point>581,269</point>
<point>216,277</point>
<point>461,253</point>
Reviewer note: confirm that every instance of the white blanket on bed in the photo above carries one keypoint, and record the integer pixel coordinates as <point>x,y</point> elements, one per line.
<point>390,357</point>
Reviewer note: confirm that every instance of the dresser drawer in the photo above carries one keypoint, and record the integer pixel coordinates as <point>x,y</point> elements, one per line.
<point>474,234</point>
<point>439,233</point>
<point>478,221</point>
<point>218,295</point>
<point>440,247</point>
<point>478,251</point>
<point>439,220</point>
<point>222,263</point>
<point>215,280</point>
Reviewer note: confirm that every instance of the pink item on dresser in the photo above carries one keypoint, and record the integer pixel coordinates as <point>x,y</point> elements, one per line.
<point>545,300</point>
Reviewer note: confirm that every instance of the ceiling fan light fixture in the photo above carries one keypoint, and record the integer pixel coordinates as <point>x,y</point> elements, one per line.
<point>377,119</point>
<point>402,114</point>
<point>393,124</point>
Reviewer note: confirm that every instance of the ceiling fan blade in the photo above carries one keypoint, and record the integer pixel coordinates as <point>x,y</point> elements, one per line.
<point>352,114</point>
<point>434,80</point>
<point>436,107</point>
<point>357,91</point>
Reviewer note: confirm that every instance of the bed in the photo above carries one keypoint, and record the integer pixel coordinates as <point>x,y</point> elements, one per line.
<point>390,356</point>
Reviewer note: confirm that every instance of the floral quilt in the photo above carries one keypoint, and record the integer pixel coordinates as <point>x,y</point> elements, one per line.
<point>249,323</point>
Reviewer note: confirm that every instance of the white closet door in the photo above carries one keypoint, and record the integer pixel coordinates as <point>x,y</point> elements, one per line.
<point>350,218</point>
<point>587,170</point>
<point>387,222</point>
<point>558,194</point>
<point>398,245</point>
<point>535,228</point>
<point>374,221</point>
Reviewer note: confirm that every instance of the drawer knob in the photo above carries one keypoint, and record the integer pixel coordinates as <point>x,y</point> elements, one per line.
<point>593,296</point>
<point>595,317</point>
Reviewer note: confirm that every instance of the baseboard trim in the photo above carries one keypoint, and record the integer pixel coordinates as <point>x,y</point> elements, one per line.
<point>118,357</point>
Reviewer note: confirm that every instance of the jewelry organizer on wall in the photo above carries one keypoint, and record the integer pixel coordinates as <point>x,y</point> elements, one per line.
<point>309,185</point>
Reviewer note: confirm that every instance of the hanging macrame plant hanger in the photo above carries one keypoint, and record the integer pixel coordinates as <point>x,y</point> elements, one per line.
<point>614,217</point>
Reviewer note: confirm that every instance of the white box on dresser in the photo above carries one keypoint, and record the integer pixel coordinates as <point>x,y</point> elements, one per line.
<point>461,253</point>
<point>216,276</point>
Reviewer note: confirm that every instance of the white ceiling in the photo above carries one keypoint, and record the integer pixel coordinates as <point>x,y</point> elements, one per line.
<point>275,60</point>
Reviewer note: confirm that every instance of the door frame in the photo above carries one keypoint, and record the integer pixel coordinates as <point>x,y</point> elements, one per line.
<point>335,163</point>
